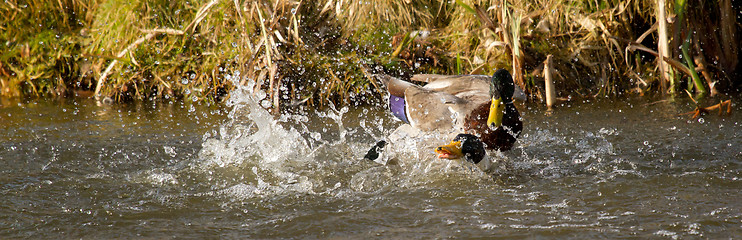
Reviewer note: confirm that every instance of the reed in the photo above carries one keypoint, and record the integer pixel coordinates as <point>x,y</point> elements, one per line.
<point>317,52</point>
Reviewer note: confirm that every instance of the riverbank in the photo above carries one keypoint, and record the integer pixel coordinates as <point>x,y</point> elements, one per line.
<point>315,53</point>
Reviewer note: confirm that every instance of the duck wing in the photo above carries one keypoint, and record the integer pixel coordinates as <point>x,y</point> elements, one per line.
<point>429,78</point>
<point>456,84</point>
<point>430,110</point>
<point>440,105</point>
<point>472,88</point>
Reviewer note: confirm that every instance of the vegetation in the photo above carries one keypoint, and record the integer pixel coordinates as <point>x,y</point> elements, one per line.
<point>315,52</point>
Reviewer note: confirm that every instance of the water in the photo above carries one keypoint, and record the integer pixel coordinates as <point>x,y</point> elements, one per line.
<point>594,169</point>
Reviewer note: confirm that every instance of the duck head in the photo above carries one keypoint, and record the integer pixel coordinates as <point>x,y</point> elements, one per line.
<point>465,146</point>
<point>501,91</point>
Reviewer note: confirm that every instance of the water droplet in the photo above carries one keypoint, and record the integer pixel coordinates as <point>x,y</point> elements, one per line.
<point>265,104</point>
<point>260,95</point>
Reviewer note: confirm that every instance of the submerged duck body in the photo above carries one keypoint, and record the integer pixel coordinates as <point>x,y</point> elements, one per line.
<point>474,104</point>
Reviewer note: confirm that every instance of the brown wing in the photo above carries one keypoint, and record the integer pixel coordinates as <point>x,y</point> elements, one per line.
<point>429,78</point>
<point>431,110</point>
<point>394,86</point>
<point>472,88</point>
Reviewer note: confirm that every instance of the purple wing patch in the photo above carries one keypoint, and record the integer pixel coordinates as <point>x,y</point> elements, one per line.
<point>397,106</point>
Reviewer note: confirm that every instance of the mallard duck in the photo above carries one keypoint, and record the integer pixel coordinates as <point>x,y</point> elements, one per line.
<point>465,146</point>
<point>473,104</point>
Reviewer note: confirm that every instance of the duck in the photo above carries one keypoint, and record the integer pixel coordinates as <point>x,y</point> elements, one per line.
<point>479,105</point>
<point>463,146</point>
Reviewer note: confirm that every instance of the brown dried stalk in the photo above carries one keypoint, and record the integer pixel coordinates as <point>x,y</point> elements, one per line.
<point>700,111</point>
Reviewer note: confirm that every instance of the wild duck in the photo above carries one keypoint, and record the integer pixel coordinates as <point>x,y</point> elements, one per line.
<point>474,104</point>
<point>465,146</point>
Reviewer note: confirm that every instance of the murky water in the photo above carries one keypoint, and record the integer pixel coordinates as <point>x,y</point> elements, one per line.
<point>596,169</point>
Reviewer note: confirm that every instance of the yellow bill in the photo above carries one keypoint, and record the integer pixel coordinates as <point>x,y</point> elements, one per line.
<point>450,151</point>
<point>497,110</point>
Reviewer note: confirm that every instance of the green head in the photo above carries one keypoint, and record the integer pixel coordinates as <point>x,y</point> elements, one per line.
<point>502,85</point>
<point>501,91</point>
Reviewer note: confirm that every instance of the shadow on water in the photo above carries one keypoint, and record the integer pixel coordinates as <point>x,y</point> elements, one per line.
<point>599,168</point>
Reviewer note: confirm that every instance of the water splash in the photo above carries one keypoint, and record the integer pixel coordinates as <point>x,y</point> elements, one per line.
<point>549,153</point>
<point>260,154</point>
<point>257,154</point>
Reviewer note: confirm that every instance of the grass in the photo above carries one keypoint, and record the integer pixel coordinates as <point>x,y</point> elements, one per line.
<point>317,52</point>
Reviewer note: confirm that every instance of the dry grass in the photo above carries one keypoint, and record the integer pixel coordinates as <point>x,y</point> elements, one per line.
<point>315,52</point>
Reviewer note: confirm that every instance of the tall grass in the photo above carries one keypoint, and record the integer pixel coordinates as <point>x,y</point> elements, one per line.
<point>316,52</point>
<point>37,42</point>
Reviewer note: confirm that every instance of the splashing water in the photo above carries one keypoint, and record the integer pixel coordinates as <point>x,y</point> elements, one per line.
<point>609,169</point>
<point>255,154</point>
<point>316,153</point>
<point>267,157</point>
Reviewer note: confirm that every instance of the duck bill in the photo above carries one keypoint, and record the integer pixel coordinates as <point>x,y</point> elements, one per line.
<point>449,151</point>
<point>497,109</point>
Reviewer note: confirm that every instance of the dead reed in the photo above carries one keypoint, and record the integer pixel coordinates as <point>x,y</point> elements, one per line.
<point>316,52</point>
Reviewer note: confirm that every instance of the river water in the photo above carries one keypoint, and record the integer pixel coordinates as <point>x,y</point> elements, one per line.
<point>603,168</point>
